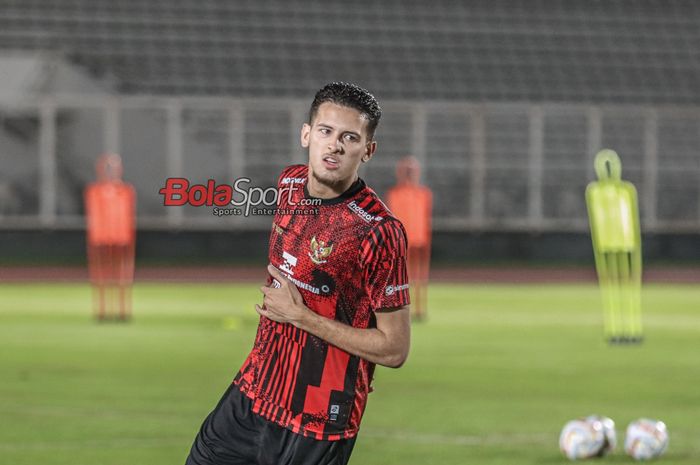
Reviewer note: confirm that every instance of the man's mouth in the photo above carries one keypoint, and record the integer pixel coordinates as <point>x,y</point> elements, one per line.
<point>330,162</point>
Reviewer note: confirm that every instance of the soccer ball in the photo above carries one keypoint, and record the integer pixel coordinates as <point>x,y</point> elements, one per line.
<point>646,439</point>
<point>582,439</point>
<point>610,442</point>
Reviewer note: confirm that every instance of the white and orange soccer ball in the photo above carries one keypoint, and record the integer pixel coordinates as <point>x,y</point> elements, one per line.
<point>646,439</point>
<point>608,424</point>
<point>582,439</point>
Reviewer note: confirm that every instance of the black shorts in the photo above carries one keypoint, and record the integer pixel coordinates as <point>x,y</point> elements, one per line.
<point>233,435</point>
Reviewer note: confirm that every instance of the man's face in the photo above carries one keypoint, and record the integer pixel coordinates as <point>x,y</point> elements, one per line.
<point>338,142</point>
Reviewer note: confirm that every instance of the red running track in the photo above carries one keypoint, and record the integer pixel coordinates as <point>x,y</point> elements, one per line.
<point>218,274</point>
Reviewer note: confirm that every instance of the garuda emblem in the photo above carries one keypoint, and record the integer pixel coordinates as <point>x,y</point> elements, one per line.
<point>319,251</point>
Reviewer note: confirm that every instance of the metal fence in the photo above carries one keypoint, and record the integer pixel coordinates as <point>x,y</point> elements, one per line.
<point>511,167</point>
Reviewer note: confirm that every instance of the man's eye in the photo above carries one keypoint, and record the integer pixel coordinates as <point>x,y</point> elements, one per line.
<point>351,137</point>
<point>324,131</point>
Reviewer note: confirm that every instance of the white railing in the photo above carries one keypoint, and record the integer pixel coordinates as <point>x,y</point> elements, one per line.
<point>517,167</point>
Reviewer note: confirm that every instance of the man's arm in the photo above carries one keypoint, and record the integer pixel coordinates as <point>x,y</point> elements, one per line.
<point>387,344</point>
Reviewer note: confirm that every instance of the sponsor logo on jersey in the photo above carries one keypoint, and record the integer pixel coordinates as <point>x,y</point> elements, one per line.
<point>305,286</point>
<point>359,211</point>
<point>289,180</point>
<point>290,261</point>
<point>335,410</point>
<point>319,251</point>
<point>391,289</point>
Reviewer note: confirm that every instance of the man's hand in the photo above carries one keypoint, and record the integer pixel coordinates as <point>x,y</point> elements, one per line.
<point>283,304</point>
<point>387,344</point>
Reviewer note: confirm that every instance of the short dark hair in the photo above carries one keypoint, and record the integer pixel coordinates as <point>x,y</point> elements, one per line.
<point>352,96</point>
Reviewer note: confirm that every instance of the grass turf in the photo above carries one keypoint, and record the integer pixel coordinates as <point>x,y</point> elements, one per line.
<point>493,374</point>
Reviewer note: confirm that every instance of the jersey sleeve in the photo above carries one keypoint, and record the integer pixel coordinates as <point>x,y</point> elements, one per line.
<point>385,275</point>
<point>289,184</point>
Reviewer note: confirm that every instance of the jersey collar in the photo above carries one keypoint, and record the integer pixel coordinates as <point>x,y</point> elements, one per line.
<point>356,187</point>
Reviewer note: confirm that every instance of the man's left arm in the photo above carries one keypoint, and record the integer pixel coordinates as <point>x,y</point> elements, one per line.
<point>387,344</point>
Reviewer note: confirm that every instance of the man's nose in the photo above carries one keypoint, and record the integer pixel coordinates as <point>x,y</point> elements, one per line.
<point>336,145</point>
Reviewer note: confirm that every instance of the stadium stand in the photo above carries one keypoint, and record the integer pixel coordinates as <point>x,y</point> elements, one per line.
<point>634,51</point>
<point>505,102</point>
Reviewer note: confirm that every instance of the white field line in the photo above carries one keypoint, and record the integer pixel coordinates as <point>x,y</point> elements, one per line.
<point>115,443</point>
<point>413,437</point>
<point>501,439</point>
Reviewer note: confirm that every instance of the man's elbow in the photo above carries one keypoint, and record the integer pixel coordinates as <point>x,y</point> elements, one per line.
<point>396,359</point>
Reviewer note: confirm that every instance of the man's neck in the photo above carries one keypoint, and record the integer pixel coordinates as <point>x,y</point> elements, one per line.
<point>323,191</point>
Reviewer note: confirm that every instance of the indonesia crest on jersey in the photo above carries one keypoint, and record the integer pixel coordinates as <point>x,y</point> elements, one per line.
<point>348,261</point>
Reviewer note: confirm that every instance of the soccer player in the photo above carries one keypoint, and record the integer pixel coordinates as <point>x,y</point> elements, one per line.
<point>335,305</point>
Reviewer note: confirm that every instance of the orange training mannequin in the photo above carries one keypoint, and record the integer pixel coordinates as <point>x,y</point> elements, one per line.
<point>110,211</point>
<point>412,203</point>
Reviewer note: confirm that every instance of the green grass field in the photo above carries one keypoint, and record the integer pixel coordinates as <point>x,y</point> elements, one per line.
<point>492,377</point>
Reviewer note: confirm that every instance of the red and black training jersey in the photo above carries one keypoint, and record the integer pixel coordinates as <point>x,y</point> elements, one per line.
<point>347,261</point>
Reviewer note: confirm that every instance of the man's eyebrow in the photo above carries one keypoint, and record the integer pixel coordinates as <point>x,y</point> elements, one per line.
<point>326,125</point>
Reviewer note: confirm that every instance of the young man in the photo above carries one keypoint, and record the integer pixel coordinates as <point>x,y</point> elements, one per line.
<point>336,304</point>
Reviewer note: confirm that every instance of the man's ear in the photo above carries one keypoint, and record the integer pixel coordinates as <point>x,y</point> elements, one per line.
<point>370,148</point>
<point>305,133</point>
